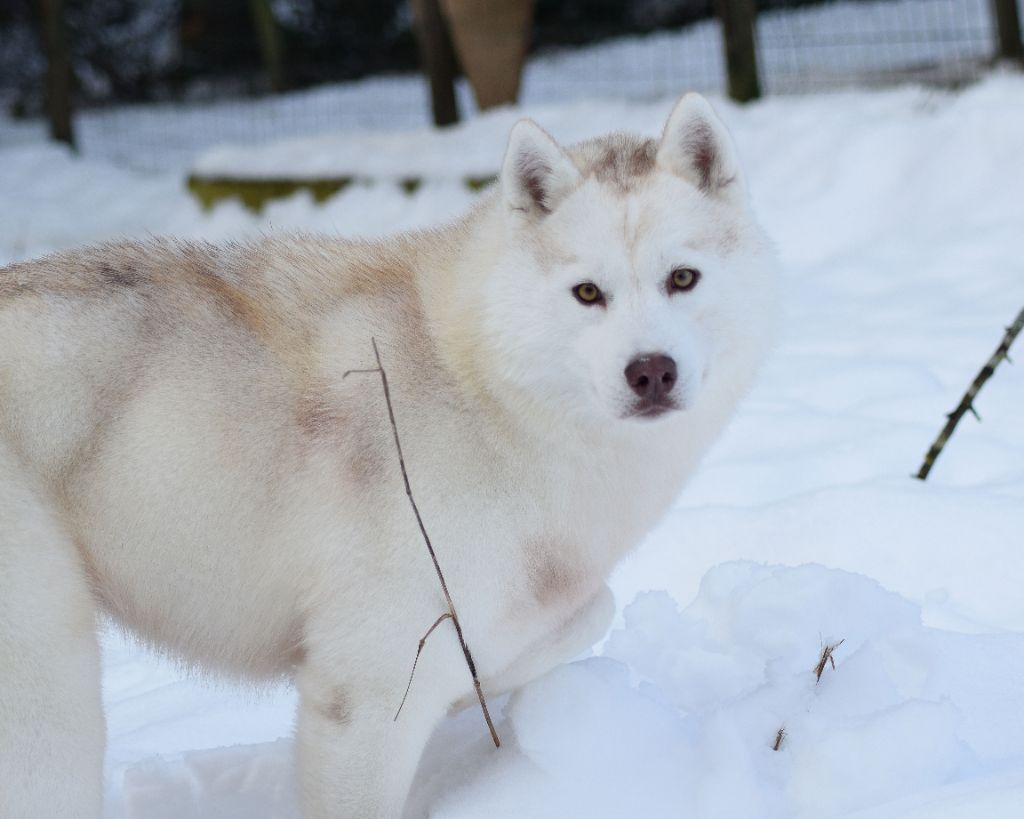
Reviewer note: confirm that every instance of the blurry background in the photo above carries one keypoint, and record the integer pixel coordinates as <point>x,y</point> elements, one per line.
<point>229,60</point>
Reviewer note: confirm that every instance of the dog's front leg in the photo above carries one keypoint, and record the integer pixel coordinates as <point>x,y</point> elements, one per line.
<point>356,761</point>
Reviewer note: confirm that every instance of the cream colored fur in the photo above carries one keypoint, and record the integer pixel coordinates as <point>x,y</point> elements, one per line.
<point>180,449</point>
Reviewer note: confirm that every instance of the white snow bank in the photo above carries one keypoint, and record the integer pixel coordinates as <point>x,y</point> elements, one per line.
<point>680,715</point>
<point>475,148</point>
<point>245,781</point>
<point>954,549</point>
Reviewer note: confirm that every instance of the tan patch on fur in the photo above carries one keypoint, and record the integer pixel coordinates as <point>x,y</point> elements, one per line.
<point>336,707</point>
<point>296,654</point>
<point>246,310</point>
<point>10,287</point>
<point>552,577</point>
<point>120,276</point>
<point>91,271</point>
<point>392,275</point>
<point>325,423</point>
<point>319,417</point>
<point>91,574</point>
<point>366,465</point>
<point>620,160</point>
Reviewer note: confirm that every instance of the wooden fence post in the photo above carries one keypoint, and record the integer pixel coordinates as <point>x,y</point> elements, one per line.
<point>1007,25</point>
<point>491,38</point>
<point>58,70</point>
<point>437,57</point>
<point>738,18</point>
<point>268,32</point>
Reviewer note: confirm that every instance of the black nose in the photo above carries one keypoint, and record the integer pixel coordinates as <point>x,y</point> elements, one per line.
<point>651,376</point>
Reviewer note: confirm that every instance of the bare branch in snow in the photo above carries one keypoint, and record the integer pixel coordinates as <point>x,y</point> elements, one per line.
<point>967,402</point>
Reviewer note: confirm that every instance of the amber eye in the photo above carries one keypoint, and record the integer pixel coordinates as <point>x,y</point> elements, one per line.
<point>588,293</point>
<point>683,278</point>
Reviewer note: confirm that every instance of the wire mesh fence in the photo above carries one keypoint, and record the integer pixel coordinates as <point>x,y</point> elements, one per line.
<point>945,42</point>
<point>802,48</point>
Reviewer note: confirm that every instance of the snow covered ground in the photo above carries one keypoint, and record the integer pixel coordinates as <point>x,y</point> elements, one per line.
<point>898,219</point>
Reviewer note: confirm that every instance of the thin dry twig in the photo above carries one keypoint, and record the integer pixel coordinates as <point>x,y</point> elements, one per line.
<point>451,613</point>
<point>826,658</point>
<point>967,402</point>
<point>779,737</point>
<point>419,650</point>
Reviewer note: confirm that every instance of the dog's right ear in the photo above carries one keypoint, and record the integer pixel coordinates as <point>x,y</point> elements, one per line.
<point>697,147</point>
<point>536,174</point>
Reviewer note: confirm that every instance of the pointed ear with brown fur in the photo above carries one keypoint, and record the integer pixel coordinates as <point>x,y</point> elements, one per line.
<point>536,174</point>
<point>696,146</point>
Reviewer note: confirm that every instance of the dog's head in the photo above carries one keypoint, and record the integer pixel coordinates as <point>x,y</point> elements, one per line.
<point>631,277</point>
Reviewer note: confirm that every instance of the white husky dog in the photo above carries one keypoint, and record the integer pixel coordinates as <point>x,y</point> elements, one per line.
<point>180,450</point>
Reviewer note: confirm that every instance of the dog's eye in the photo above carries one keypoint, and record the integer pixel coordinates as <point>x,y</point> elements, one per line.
<point>683,278</point>
<point>588,293</point>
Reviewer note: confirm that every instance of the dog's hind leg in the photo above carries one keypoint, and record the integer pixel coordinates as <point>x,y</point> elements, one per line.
<point>51,721</point>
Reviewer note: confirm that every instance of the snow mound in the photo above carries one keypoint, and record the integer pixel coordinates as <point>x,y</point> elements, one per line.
<point>680,716</point>
<point>243,781</point>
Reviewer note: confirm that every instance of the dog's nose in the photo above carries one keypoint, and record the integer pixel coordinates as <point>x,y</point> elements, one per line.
<point>652,375</point>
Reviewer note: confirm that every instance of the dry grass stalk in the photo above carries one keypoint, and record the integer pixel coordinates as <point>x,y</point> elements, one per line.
<point>451,614</point>
<point>824,661</point>
<point>826,658</point>
<point>779,737</point>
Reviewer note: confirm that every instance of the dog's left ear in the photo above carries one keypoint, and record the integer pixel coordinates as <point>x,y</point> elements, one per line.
<point>696,146</point>
<point>536,174</point>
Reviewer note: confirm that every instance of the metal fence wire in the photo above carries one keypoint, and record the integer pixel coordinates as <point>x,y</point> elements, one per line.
<point>802,47</point>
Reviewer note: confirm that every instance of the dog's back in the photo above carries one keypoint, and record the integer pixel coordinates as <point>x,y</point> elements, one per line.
<point>165,394</point>
<point>88,332</point>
